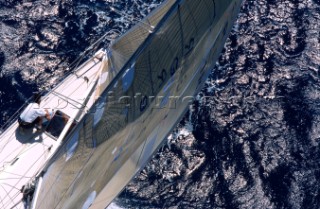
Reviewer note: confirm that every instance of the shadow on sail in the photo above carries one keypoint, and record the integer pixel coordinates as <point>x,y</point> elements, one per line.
<point>157,67</point>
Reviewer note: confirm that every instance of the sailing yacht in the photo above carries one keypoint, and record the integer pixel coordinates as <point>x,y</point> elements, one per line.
<point>115,110</point>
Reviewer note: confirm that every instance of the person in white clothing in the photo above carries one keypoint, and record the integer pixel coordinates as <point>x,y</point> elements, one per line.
<point>33,114</point>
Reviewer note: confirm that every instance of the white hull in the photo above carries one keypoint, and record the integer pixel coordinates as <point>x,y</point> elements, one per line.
<point>109,143</point>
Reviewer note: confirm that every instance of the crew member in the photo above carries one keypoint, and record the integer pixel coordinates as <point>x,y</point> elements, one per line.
<point>33,114</point>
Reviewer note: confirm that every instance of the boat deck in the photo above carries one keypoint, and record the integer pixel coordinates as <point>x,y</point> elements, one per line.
<point>24,153</point>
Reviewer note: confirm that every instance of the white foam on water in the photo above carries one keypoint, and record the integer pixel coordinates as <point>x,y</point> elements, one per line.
<point>114,206</point>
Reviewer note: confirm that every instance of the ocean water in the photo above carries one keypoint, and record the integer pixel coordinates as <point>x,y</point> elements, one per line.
<point>252,137</point>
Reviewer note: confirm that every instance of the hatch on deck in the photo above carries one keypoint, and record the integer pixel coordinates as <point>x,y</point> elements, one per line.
<point>57,124</point>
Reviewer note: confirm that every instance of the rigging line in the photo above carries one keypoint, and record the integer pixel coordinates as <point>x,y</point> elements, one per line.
<point>90,48</point>
<point>15,174</point>
<point>16,178</point>
<point>15,115</point>
<point>69,78</point>
<point>7,142</point>
<point>15,206</point>
<point>61,84</point>
<point>79,64</point>
<point>14,196</point>
<point>29,148</point>
<point>14,132</point>
<point>10,197</point>
<point>23,150</point>
<point>28,169</point>
<point>64,77</point>
<point>84,103</point>
<point>94,77</point>
<point>94,64</point>
<point>10,186</point>
<point>2,203</point>
<point>9,162</point>
<point>66,99</point>
<point>130,18</point>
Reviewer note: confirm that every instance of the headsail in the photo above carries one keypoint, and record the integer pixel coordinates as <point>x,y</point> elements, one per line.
<point>126,46</point>
<point>158,71</point>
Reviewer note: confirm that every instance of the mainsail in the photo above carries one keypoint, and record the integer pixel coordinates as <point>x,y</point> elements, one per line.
<point>158,66</point>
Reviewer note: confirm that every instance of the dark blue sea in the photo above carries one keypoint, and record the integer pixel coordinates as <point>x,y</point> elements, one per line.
<point>251,139</point>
